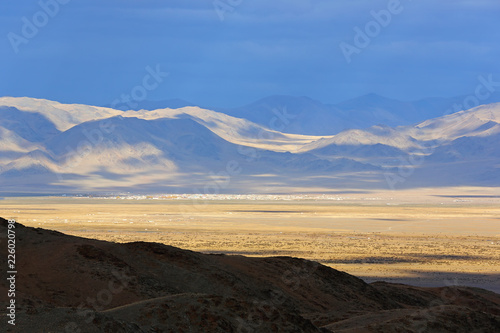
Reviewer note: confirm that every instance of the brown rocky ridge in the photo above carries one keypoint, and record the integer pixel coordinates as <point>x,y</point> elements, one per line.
<point>72,284</point>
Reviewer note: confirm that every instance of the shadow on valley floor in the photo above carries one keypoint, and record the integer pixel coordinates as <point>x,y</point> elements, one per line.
<point>273,211</point>
<point>469,196</point>
<point>442,279</point>
<point>404,258</point>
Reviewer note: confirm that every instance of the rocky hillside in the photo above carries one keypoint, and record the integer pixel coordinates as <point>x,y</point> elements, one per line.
<point>72,284</point>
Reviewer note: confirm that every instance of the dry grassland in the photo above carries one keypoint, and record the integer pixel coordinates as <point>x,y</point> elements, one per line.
<point>444,241</point>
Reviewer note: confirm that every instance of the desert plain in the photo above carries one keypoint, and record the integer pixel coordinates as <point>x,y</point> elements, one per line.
<point>420,237</point>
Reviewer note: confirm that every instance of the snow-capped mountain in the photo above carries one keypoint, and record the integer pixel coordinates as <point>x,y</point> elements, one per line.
<point>47,146</point>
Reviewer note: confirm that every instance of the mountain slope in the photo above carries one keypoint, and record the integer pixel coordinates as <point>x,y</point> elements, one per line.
<point>156,154</point>
<point>30,126</point>
<point>375,109</point>
<point>192,149</point>
<point>298,115</point>
<point>63,116</point>
<point>174,103</point>
<point>70,283</point>
<point>236,130</point>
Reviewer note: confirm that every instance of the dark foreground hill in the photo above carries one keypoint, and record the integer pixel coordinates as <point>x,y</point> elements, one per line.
<point>72,284</point>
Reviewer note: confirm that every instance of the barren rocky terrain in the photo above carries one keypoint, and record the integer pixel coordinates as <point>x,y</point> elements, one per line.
<point>72,284</point>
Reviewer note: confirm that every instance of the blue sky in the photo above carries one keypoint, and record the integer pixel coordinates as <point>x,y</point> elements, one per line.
<point>93,51</point>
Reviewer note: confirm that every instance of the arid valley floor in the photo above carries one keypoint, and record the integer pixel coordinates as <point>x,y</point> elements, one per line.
<point>413,237</point>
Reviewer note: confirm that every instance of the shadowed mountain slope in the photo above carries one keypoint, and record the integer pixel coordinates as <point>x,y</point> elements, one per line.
<point>67,283</point>
<point>76,148</point>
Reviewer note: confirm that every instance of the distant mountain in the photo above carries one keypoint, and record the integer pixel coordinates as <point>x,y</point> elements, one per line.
<point>298,115</point>
<point>482,120</point>
<point>53,147</point>
<point>377,110</point>
<point>469,148</point>
<point>174,103</point>
<point>309,117</point>
<point>31,126</point>
<point>305,116</point>
<point>62,116</point>
<point>363,151</point>
<point>302,115</point>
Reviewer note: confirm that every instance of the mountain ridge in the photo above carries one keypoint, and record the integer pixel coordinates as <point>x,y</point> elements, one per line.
<point>86,148</point>
<point>68,283</point>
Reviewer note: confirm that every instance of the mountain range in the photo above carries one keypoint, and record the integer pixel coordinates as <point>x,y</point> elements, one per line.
<point>311,117</point>
<point>276,145</point>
